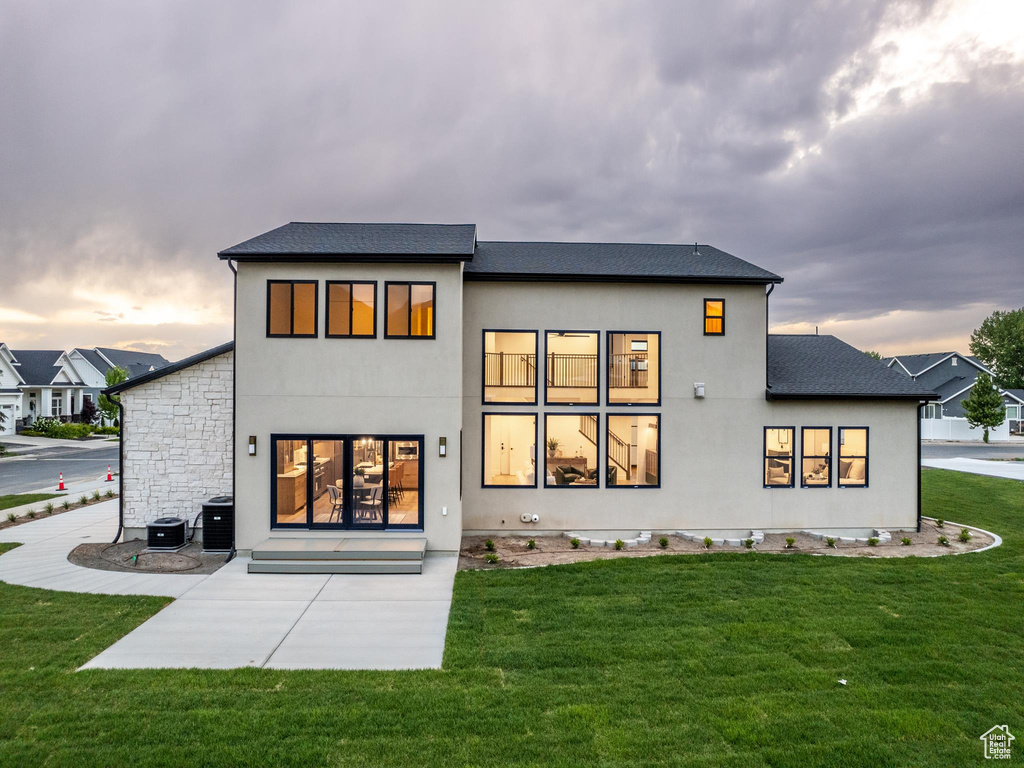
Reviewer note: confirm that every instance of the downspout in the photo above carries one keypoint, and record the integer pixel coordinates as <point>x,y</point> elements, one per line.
<point>234,411</point>
<point>771,288</point>
<point>120,473</point>
<point>920,410</point>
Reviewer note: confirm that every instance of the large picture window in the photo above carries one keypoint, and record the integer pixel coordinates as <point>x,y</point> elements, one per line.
<point>853,457</point>
<point>634,368</point>
<point>816,457</point>
<point>292,308</point>
<point>510,367</point>
<point>571,450</point>
<point>778,457</point>
<point>509,450</point>
<point>714,317</point>
<point>410,310</point>
<point>571,367</point>
<point>351,309</point>
<point>346,481</point>
<point>634,451</point>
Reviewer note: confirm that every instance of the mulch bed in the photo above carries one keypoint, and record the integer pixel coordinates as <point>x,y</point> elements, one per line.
<point>131,557</point>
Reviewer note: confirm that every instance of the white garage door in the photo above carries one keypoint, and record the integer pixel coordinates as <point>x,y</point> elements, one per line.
<point>7,426</point>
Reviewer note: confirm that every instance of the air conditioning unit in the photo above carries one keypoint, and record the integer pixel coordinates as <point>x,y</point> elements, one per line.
<point>219,524</point>
<point>166,534</point>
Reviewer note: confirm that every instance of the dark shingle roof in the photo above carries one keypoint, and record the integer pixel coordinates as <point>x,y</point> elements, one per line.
<point>94,359</point>
<point>917,363</point>
<point>824,366</point>
<point>611,261</point>
<point>171,368</point>
<point>37,366</point>
<point>950,387</point>
<point>310,239</point>
<point>136,363</point>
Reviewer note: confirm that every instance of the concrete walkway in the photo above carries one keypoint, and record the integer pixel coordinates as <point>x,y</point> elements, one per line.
<point>235,619</point>
<point>1013,470</point>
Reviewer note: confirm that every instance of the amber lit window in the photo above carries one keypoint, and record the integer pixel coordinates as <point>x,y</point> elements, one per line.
<point>853,457</point>
<point>510,367</point>
<point>291,308</point>
<point>571,364</point>
<point>633,368</point>
<point>816,459</point>
<point>350,309</point>
<point>410,310</point>
<point>509,450</point>
<point>778,457</point>
<point>634,449</point>
<point>714,317</point>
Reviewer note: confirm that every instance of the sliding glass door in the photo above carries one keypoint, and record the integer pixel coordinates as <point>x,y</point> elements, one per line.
<point>344,482</point>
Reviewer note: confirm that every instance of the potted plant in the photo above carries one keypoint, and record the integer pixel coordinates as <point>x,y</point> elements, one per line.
<point>553,445</point>
<point>357,481</point>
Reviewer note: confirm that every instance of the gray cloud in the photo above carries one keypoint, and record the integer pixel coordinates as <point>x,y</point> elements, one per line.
<point>137,140</point>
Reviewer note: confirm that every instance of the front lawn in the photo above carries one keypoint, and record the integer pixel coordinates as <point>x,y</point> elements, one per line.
<point>17,499</point>
<point>725,659</point>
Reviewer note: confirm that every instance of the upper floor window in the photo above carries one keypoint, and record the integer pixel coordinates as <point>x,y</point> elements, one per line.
<point>510,367</point>
<point>634,374</point>
<point>816,460</point>
<point>853,457</point>
<point>409,308</point>
<point>778,457</point>
<point>571,367</point>
<point>351,309</point>
<point>291,308</point>
<point>714,317</point>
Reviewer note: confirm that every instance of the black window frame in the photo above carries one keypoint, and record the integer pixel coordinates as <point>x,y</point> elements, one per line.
<point>387,314</point>
<point>607,459</point>
<point>804,455</point>
<point>715,317</point>
<point>866,456</point>
<point>483,366</point>
<point>577,414</point>
<point>765,457</point>
<point>347,500</point>
<point>351,310</point>
<point>607,377</point>
<point>597,384</point>
<point>291,314</point>
<point>483,447</point>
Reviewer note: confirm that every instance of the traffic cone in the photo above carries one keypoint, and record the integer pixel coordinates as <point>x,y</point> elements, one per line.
<point>110,477</point>
<point>61,486</point>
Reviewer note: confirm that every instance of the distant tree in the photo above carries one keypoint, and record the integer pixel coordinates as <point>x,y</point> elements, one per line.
<point>984,406</point>
<point>88,413</point>
<point>109,405</point>
<point>999,344</point>
<point>871,353</point>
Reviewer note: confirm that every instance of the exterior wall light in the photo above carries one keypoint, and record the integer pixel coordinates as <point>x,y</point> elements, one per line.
<point>442,447</point>
<point>698,389</point>
<point>252,445</point>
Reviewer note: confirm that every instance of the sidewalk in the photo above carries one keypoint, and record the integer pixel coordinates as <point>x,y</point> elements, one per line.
<point>72,490</point>
<point>1014,470</point>
<point>23,442</point>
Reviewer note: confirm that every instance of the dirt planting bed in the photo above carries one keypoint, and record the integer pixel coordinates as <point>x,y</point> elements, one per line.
<point>130,556</point>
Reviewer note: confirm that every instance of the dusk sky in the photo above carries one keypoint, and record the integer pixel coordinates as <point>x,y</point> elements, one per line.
<point>869,152</point>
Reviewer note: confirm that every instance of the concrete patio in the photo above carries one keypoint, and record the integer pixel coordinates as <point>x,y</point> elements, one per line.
<point>235,619</point>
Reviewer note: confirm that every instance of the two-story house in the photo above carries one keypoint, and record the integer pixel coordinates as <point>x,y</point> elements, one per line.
<point>408,380</point>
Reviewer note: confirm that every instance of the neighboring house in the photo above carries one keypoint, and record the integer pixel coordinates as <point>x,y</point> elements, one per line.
<point>50,382</point>
<point>409,381</point>
<point>951,376</point>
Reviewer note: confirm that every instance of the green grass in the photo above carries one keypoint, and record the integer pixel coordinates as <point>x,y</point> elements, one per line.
<point>705,660</point>
<point>17,499</point>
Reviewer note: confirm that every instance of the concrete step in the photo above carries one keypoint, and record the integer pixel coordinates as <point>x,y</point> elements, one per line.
<point>336,566</point>
<point>378,548</point>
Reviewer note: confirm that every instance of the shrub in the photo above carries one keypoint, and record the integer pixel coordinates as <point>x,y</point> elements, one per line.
<point>531,544</point>
<point>940,523</point>
<point>663,542</point>
<point>790,541</point>
<point>11,517</point>
<point>110,493</point>
<point>575,543</point>
<point>48,507</point>
<point>45,423</point>
<point>489,545</point>
<point>66,504</point>
<point>619,543</point>
<point>83,499</point>
<point>943,541</point>
<point>708,542</point>
<point>32,433</point>
<point>906,541</point>
<point>88,412</point>
<point>30,514</point>
<point>106,431</point>
<point>96,495</point>
<point>965,535</point>
<point>873,541</point>
<point>748,543</point>
<point>491,557</point>
<point>830,542</point>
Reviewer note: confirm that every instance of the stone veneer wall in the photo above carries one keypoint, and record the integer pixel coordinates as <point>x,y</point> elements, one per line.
<point>177,450</point>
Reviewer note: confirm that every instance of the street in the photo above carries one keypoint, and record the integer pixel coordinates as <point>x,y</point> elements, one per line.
<point>38,468</point>
<point>975,450</point>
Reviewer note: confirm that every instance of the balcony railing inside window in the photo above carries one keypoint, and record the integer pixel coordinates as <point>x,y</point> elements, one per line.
<point>628,370</point>
<point>571,370</point>
<point>618,452</point>
<point>510,369</point>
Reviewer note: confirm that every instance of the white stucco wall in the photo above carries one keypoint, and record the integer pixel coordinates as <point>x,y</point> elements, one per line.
<point>177,443</point>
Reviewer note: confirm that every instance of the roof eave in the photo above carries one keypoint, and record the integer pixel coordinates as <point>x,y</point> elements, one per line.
<point>543,277</point>
<point>770,395</point>
<point>350,258</point>
<point>169,369</point>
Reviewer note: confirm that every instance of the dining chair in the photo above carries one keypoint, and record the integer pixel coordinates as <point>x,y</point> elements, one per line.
<point>336,502</point>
